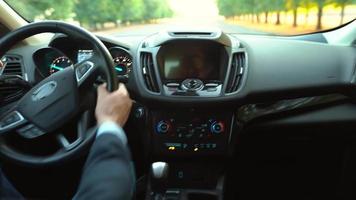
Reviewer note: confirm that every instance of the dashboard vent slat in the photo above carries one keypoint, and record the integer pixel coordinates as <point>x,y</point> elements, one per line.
<point>236,72</point>
<point>12,66</point>
<point>11,92</point>
<point>192,34</point>
<point>148,72</point>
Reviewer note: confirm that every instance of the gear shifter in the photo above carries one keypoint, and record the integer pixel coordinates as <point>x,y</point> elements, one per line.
<point>159,174</point>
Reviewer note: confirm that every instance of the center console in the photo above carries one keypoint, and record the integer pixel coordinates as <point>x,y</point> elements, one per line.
<point>195,145</point>
<point>190,133</point>
<point>193,141</point>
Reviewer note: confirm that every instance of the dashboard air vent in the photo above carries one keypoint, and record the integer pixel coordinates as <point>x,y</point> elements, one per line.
<point>237,69</point>
<point>148,71</point>
<point>11,90</point>
<point>192,34</point>
<point>12,66</point>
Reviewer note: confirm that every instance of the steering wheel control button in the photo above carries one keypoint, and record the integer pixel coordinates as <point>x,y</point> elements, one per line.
<point>30,131</point>
<point>44,91</point>
<point>163,127</point>
<point>181,131</point>
<point>217,128</point>
<point>139,112</point>
<point>83,69</point>
<point>11,120</point>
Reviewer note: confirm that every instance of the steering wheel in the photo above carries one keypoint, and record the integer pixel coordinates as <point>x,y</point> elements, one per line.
<point>56,100</point>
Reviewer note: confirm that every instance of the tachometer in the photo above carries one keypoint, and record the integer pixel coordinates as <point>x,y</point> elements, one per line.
<point>59,64</point>
<point>123,65</point>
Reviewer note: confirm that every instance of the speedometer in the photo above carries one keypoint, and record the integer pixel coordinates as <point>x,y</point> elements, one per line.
<point>59,64</point>
<point>122,60</point>
<point>122,65</point>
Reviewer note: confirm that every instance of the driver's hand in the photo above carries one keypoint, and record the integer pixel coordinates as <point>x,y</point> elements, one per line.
<point>113,106</point>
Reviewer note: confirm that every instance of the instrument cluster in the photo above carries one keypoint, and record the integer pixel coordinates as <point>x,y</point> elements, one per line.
<point>50,60</point>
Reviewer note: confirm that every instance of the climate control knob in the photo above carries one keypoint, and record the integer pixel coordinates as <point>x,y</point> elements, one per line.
<point>163,127</point>
<point>217,127</point>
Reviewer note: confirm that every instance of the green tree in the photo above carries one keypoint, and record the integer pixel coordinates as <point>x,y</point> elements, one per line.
<point>253,8</point>
<point>150,9</point>
<point>320,5</point>
<point>164,9</point>
<point>250,7</point>
<point>342,4</point>
<point>113,11</point>
<point>228,8</point>
<point>267,8</point>
<point>293,5</point>
<point>257,8</point>
<point>247,6</point>
<point>47,9</point>
<point>131,10</point>
<point>62,10</point>
<point>156,9</point>
<point>278,6</point>
<point>93,13</point>
<point>307,4</point>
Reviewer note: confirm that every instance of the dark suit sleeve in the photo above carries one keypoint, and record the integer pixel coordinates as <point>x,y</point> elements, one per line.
<point>108,172</point>
<point>7,190</point>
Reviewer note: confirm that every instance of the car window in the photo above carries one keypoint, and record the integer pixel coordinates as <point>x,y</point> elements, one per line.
<point>115,17</point>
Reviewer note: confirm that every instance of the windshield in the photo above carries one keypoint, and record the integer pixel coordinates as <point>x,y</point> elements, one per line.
<point>117,17</point>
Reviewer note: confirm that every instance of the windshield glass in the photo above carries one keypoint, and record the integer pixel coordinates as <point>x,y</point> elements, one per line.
<point>117,17</point>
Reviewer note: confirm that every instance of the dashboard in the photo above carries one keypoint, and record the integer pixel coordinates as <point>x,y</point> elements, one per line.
<point>197,93</point>
<point>175,76</point>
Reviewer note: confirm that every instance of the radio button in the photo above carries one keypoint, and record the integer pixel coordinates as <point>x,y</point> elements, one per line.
<point>217,127</point>
<point>163,127</point>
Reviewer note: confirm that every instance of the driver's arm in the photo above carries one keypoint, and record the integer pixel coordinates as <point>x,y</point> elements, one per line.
<point>108,172</point>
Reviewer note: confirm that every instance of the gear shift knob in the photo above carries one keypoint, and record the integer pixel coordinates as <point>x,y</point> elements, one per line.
<point>159,174</point>
<point>159,170</point>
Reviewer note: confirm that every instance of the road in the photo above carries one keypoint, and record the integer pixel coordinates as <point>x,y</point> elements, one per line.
<point>182,24</point>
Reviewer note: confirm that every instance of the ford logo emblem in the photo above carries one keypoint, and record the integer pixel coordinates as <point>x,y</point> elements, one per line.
<point>44,91</point>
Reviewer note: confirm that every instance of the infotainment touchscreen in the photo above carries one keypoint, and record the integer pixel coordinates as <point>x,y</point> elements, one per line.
<point>182,60</point>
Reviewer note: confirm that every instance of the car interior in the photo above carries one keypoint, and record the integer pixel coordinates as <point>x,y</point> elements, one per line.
<point>216,115</point>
